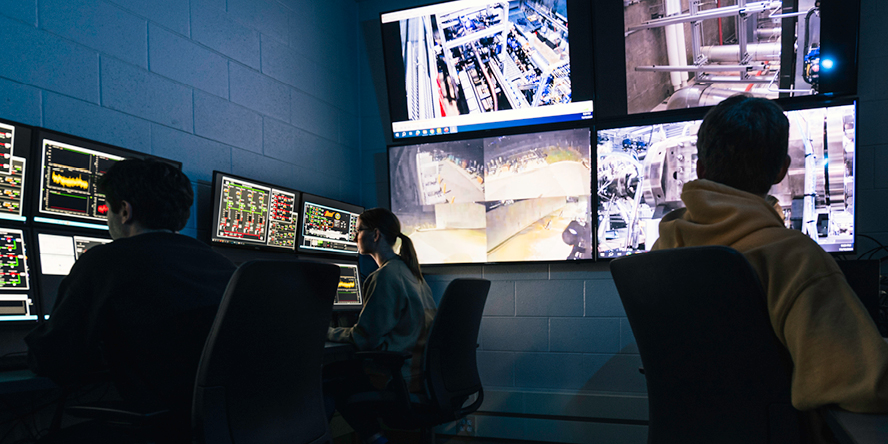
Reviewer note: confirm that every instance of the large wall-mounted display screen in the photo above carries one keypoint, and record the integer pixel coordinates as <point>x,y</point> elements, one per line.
<point>641,171</point>
<point>513,198</point>
<point>471,65</point>
<point>682,54</point>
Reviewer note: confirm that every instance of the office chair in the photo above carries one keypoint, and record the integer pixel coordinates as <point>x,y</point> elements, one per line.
<point>259,377</point>
<point>450,370</point>
<point>715,370</point>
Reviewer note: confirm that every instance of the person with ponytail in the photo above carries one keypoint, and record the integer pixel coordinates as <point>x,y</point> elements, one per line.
<point>397,315</point>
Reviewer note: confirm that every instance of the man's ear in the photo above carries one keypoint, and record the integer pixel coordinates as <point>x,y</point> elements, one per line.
<point>126,212</point>
<point>701,170</point>
<point>784,169</point>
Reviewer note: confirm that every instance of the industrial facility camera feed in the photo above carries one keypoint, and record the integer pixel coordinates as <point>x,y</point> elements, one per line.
<point>682,58</point>
<point>249,213</point>
<point>68,185</point>
<point>326,228</point>
<point>480,64</point>
<point>503,199</point>
<point>641,171</point>
<point>15,301</point>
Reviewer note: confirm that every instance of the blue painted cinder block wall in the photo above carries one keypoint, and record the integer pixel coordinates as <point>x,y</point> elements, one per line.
<point>261,88</point>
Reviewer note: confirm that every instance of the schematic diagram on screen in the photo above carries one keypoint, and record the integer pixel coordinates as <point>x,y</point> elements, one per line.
<point>243,210</point>
<point>328,228</point>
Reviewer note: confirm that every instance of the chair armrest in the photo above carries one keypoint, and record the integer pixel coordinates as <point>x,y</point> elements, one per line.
<point>117,413</point>
<point>389,359</point>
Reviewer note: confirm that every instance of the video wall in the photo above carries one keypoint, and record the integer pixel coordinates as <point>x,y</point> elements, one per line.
<point>475,177</point>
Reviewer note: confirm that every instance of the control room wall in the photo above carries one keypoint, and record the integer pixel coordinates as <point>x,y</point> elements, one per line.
<point>261,88</point>
<point>556,355</point>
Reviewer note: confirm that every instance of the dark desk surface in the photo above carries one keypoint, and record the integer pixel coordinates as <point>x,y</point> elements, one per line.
<point>17,381</point>
<point>858,428</point>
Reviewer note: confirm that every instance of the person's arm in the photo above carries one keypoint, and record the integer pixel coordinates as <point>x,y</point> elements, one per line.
<point>385,300</point>
<point>838,355</point>
<point>67,346</point>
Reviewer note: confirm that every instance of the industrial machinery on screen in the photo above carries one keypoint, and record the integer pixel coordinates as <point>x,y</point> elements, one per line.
<point>485,57</point>
<point>502,199</point>
<point>680,58</point>
<point>641,171</point>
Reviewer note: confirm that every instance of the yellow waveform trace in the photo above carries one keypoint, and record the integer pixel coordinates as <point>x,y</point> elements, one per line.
<point>346,284</point>
<point>69,182</point>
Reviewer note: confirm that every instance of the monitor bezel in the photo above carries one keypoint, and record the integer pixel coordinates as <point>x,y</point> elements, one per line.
<point>214,215</point>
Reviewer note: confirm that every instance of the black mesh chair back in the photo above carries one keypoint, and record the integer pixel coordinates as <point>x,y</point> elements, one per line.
<point>450,368</point>
<point>259,379</point>
<point>715,370</point>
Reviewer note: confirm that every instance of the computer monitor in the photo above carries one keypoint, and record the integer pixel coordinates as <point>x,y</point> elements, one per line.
<point>7,144</point>
<point>57,252</point>
<point>471,65</point>
<point>348,294</point>
<point>16,283</point>
<point>15,150</point>
<point>641,171</point>
<point>328,226</point>
<point>515,198</point>
<point>67,171</point>
<point>251,213</point>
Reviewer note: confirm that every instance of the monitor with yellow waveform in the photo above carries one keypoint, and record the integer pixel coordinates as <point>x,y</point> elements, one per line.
<point>70,182</point>
<point>348,295</point>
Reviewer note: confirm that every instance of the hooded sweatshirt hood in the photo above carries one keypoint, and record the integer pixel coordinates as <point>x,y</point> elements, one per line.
<point>715,214</point>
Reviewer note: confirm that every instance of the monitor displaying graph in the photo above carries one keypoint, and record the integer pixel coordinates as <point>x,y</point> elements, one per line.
<point>348,294</point>
<point>68,186</point>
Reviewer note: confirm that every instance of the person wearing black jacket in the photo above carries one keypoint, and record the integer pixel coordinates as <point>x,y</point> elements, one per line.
<point>142,305</point>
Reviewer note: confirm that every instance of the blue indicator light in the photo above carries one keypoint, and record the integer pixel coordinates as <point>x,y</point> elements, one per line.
<point>826,63</point>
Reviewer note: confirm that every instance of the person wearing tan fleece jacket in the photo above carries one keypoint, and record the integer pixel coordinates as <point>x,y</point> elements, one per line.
<point>838,355</point>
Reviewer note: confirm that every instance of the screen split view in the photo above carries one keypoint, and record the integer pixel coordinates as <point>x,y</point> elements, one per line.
<point>524,197</point>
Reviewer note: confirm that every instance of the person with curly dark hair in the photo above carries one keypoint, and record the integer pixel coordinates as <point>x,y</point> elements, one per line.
<point>142,305</point>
